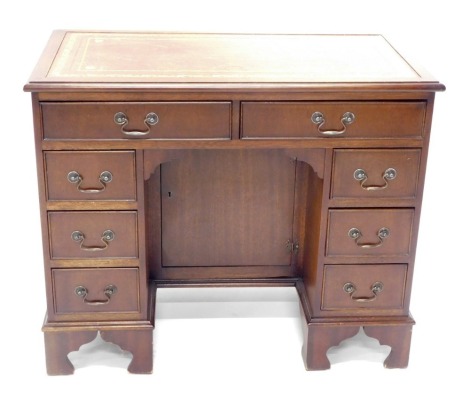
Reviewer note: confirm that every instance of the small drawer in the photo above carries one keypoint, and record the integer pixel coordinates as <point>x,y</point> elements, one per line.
<point>375,173</point>
<point>333,119</point>
<point>85,235</point>
<point>152,120</point>
<point>356,288</point>
<point>369,232</point>
<point>93,291</point>
<point>85,176</point>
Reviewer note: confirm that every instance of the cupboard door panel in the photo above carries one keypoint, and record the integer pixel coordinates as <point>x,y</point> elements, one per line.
<point>224,208</point>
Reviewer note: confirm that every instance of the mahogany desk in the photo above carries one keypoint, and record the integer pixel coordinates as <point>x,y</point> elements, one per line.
<point>226,159</point>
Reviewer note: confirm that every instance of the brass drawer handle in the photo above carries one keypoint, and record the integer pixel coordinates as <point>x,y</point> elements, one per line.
<point>388,175</point>
<point>350,288</point>
<point>109,291</point>
<point>75,178</point>
<point>319,119</point>
<point>356,234</point>
<point>106,237</point>
<point>121,119</point>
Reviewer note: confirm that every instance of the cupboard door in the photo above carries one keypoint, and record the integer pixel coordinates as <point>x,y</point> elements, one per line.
<point>224,208</point>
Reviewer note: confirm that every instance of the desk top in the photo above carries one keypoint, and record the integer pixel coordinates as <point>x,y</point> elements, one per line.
<point>130,60</point>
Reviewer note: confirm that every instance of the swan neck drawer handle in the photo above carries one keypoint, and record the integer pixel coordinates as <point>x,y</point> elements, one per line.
<point>356,235</point>
<point>109,291</point>
<point>121,119</point>
<point>350,288</point>
<point>318,119</point>
<point>388,175</point>
<point>106,238</point>
<point>75,178</point>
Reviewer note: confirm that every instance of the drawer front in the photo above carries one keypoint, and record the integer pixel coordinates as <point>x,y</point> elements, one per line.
<point>375,173</point>
<point>369,232</point>
<point>182,120</point>
<point>85,176</point>
<point>356,288</point>
<point>96,290</point>
<point>84,235</point>
<point>295,119</point>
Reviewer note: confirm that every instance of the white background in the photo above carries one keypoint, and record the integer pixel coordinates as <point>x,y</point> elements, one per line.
<point>248,349</point>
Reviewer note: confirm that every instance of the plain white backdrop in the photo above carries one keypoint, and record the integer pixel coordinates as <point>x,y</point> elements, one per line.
<point>242,344</point>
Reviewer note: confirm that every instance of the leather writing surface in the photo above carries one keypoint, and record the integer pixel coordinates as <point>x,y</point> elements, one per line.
<point>156,57</point>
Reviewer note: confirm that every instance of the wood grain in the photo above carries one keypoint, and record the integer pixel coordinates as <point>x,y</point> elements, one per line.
<point>233,172</point>
<point>227,209</point>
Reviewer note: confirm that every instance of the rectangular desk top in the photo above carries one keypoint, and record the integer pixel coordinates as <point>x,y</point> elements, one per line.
<point>111,60</point>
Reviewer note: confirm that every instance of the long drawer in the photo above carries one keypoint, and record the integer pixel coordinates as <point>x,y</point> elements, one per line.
<point>148,120</point>
<point>331,119</point>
